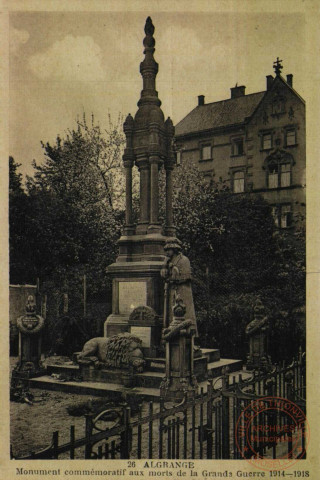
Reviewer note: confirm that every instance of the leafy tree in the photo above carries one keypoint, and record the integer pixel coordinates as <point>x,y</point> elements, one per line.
<point>72,216</point>
<point>18,211</point>
<point>67,224</point>
<point>15,178</point>
<point>238,255</point>
<point>75,193</point>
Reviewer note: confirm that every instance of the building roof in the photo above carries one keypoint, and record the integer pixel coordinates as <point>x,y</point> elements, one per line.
<point>219,114</point>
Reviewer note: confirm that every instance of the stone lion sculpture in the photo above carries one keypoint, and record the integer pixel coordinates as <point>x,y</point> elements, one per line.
<point>120,351</point>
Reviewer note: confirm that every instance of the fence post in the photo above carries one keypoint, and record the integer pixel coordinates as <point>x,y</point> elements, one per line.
<point>209,419</point>
<point>55,443</point>
<point>125,435</point>
<point>72,439</point>
<point>89,427</point>
<point>225,416</point>
<point>290,396</point>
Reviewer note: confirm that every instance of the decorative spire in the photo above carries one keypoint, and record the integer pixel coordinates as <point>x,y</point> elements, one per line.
<point>277,67</point>
<point>149,68</point>
<point>149,28</point>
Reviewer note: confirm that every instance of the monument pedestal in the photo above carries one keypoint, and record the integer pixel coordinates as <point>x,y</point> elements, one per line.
<point>136,282</point>
<point>30,327</point>
<point>180,380</point>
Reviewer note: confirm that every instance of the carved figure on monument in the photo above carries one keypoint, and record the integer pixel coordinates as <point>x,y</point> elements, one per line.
<point>178,323</point>
<point>142,315</point>
<point>120,351</point>
<point>176,271</point>
<point>257,331</point>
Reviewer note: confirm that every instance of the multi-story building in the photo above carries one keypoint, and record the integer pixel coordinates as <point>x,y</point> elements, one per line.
<point>255,142</point>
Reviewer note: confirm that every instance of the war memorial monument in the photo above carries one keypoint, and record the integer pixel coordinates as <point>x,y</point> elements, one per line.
<point>148,342</point>
<point>186,402</point>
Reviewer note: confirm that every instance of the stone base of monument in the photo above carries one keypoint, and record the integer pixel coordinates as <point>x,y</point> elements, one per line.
<point>101,382</point>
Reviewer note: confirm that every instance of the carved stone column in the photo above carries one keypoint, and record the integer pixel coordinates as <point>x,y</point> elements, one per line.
<point>154,226</point>
<point>129,228</point>
<point>169,166</point>
<point>170,229</point>
<point>128,159</point>
<point>144,169</point>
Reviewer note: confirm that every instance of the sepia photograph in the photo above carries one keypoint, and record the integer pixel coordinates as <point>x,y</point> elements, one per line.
<point>157,211</point>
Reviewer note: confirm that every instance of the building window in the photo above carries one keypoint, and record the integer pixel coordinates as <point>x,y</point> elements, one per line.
<point>206,152</point>
<point>285,175</point>
<point>238,182</point>
<point>282,215</point>
<point>266,141</point>
<point>237,147</point>
<point>279,175</point>
<point>273,176</point>
<point>291,137</point>
<point>178,157</point>
<point>286,217</point>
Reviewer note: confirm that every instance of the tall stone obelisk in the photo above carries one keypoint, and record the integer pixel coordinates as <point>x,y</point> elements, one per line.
<point>136,272</point>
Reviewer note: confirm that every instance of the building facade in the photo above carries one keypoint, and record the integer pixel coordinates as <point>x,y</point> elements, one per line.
<point>256,143</point>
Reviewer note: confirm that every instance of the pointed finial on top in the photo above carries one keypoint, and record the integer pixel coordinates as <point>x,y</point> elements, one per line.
<point>277,66</point>
<point>149,28</point>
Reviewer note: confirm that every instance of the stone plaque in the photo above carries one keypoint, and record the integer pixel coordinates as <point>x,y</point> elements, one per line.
<point>131,296</point>
<point>144,333</point>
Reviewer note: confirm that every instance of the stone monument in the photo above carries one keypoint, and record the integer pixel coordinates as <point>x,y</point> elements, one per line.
<point>257,331</point>
<point>179,380</point>
<point>30,326</point>
<point>136,272</point>
<point>180,324</point>
<point>149,337</point>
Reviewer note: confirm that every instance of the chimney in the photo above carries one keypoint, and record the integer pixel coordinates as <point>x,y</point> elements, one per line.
<point>289,79</point>
<point>200,100</point>
<point>269,81</point>
<point>238,91</point>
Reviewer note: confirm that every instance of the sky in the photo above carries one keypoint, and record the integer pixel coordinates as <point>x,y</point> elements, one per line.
<point>65,63</point>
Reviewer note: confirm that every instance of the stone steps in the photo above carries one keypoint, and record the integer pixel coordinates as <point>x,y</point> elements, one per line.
<point>108,380</point>
<point>97,389</point>
<point>158,364</point>
<point>101,382</point>
<point>104,389</point>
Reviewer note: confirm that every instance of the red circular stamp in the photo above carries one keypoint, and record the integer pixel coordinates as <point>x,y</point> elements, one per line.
<point>272,433</point>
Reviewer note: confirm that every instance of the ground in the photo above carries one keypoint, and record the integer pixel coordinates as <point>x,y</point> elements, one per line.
<point>32,425</point>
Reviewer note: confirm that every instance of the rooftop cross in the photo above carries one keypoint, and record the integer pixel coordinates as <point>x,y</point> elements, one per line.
<point>277,66</point>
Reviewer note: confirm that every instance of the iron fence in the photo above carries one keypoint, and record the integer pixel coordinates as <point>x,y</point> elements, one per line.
<point>203,426</point>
